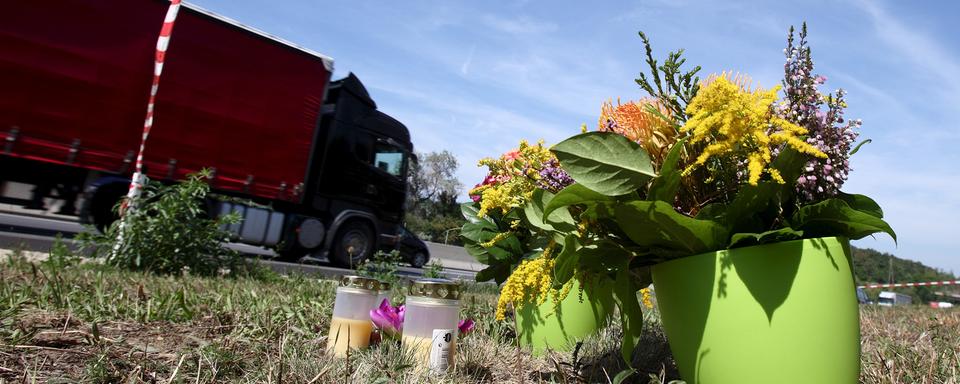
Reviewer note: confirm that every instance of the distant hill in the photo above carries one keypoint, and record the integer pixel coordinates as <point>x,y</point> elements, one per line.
<point>872,266</point>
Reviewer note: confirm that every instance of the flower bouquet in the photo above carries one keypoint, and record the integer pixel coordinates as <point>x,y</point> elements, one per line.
<point>506,230</point>
<point>727,197</point>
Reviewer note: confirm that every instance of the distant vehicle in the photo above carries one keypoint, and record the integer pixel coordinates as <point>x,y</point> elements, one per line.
<point>862,297</point>
<point>412,249</point>
<point>941,304</point>
<point>325,169</point>
<point>889,299</point>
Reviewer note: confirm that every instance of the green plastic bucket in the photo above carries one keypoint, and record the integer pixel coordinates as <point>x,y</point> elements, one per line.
<point>544,327</point>
<point>777,313</point>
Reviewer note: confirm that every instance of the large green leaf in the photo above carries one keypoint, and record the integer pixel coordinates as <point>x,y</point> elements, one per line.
<point>602,256</point>
<point>834,217</point>
<point>754,200</point>
<point>605,162</point>
<point>574,194</point>
<point>664,187</point>
<point>469,212</point>
<point>566,262</point>
<point>475,234</point>
<point>478,231</point>
<point>631,315</point>
<point>862,203</point>
<point>775,236</point>
<point>657,224</point>
<point>558,219</point>
<point>712,211</point>
<point>497,272</point>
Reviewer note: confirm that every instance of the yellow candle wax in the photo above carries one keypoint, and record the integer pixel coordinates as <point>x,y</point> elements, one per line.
<point>420,346</point>
<point>348,333</point>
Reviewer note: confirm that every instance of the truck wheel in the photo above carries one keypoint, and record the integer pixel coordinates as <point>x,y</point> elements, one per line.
<point>419,259</point>
<point>102,203</point>
<point>354,244</point>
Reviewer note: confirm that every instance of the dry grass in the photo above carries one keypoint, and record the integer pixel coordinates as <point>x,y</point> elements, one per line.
<point>910,345</point>
<point>89,323</point>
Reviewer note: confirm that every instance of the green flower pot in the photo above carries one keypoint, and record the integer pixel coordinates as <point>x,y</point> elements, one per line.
<point>777,313</point>
<point>542,327</point>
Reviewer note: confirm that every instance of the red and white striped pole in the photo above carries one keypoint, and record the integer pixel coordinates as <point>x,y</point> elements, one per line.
<point>138,179</point>
<point>136,183</point>
<point>906,285</point>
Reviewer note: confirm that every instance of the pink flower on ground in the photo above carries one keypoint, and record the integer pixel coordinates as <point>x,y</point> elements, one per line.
<point>465,326</point>
<point>388,319</point>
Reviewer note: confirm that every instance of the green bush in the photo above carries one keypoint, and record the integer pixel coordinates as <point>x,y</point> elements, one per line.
<point>433,270</point>
<point>170,232</point>
<point>382,266</point>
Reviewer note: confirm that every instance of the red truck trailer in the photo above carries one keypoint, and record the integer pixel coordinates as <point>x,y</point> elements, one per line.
<point>263,113</point>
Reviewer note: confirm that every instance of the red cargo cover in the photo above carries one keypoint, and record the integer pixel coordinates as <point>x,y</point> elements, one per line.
<point>80,71</point>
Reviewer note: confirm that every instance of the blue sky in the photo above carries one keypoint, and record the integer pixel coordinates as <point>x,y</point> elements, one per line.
<point>476,77</point>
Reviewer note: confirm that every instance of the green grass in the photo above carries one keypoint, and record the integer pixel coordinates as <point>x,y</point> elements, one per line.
<point>67,322</point>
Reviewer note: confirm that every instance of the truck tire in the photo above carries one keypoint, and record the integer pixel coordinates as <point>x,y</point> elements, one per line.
<point>101,205</point>
<point>419,259</point>
<point>354,243</point>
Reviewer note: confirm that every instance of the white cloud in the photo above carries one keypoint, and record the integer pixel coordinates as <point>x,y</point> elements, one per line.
<point>465,68</point>
<point>520,25</point>
<point>924,52</point>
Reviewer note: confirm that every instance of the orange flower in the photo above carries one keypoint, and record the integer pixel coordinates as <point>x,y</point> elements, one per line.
<point>637,121</point>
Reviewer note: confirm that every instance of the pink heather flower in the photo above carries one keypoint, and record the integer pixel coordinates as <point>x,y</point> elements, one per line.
<point>822,116</point>
<point>465,326</point>
<point>388,319</point>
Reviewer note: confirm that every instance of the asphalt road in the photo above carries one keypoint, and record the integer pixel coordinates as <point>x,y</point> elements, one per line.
<point>36,232</point>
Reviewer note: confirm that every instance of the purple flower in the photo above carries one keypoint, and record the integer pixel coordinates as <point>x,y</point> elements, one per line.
<point>465,326</point>
<point>388,319</point>
<point>822,116</point>
<point>553,178</point>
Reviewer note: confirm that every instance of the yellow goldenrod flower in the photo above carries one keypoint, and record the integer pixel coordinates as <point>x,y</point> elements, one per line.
<point>731,118</point>
<point>531,282</point>
<point>496,239</point>
<point>646,297</point>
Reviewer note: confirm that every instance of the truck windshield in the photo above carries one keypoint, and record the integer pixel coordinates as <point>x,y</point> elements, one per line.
<point>388,159</point>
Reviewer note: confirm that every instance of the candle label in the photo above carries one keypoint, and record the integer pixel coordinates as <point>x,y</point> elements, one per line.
<point>440,349</point>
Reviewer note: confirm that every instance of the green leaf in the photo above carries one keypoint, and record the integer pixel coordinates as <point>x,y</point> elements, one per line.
<point>605,162</point>
<point>558,219</point>
<point>497,272</point>
<point>567,261</point>
<point>479,231</point>
<point>574,194</point>
<point>857,148</point>
<point>657,224</point>
<point>862,203</point>
<point>631,315</point>
<point>664,187</point>
<point>834,217</point>
<point>478,252</point>
<point>714,211</point>
<point>775,236</point>
<point>470,211</point>
<point>752,200</point>
<point>623,375</point>
<point>602,256</point>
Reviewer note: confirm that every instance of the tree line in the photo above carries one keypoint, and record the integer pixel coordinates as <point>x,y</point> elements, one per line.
<point>872,266</point>
<point>433,212</point>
